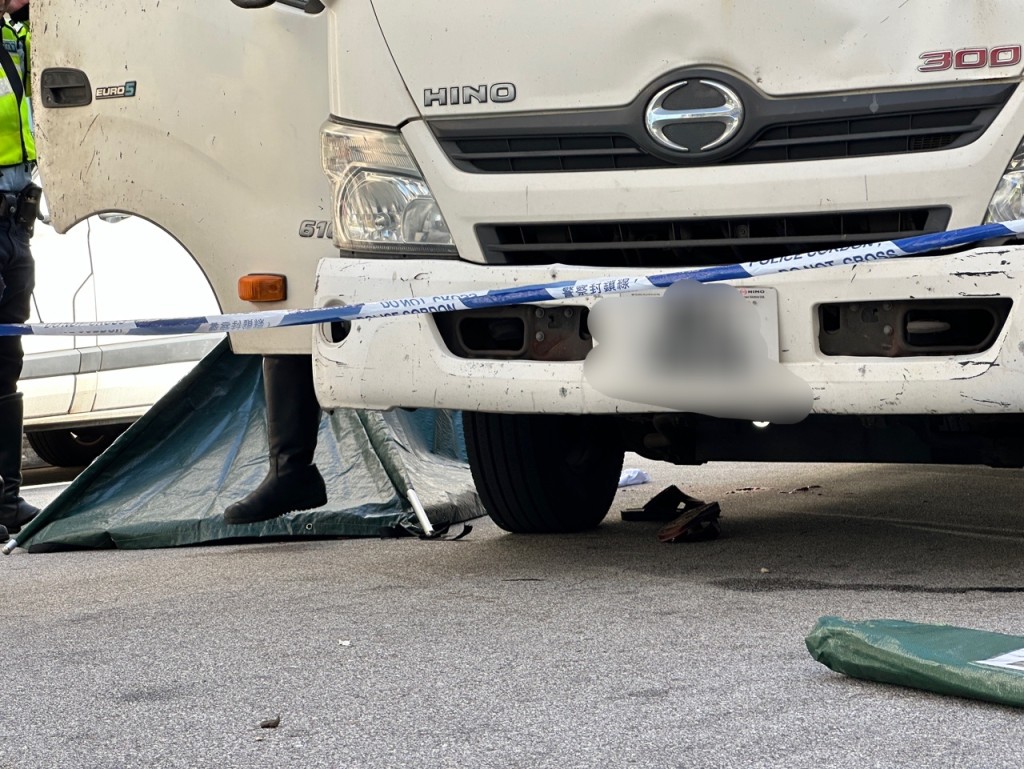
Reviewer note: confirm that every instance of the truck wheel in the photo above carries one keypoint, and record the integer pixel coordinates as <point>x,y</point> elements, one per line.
<point>75,447</point>
<point>539,474</point>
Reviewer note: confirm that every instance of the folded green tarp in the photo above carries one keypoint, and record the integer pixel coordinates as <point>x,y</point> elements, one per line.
<point>937,658</point>
<point>166,481</point>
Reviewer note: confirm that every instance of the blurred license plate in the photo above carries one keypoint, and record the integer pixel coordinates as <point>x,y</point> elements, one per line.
<point>704,349</point>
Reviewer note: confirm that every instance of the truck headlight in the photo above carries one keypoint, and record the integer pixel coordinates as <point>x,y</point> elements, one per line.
<point>381,202</point>
<point>1007,202</point>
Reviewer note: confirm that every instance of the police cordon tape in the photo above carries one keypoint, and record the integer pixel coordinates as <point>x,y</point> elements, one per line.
<point>917,245</point>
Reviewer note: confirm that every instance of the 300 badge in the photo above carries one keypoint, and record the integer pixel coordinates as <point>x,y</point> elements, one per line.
<point>312,228</point>
<point>970,58</point>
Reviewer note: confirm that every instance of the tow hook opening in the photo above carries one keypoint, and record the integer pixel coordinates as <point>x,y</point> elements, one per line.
<point>911,327</point>
<point>336,331</point>
<point>519,332</point>
<point>339,330</point>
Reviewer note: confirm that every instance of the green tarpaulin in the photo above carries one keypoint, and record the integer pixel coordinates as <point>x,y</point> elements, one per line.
<point>937,658</point>
<point>165,482</point>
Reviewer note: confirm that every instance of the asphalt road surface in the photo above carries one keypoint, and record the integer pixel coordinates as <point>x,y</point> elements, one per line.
<point>607,649</point>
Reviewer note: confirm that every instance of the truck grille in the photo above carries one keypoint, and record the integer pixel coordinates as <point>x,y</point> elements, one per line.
<point>806,128</point>
<point>698,242</point>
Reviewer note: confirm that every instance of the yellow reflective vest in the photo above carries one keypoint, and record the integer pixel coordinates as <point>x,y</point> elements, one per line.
<point>16,142</point>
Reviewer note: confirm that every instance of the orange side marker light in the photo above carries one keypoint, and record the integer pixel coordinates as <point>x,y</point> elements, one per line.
<point>263,287</point>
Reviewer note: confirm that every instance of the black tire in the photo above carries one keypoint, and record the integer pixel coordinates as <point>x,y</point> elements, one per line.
<point>541,474</point>
<point>75,447</point>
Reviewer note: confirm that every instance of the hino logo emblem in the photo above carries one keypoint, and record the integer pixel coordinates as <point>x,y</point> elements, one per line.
<point>467,94</point>
<point>729,115</point>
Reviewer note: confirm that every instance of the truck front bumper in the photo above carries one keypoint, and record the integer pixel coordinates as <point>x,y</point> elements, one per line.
<point>403,361</point>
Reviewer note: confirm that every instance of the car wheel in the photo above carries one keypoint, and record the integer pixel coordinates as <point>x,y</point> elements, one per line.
<point>539,474</point>
<point>74,447</point>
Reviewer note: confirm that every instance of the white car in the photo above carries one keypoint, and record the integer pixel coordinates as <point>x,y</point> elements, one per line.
<point>81,392</point>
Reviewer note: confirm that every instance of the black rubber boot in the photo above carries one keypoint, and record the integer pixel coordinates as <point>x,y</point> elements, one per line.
<point>15,512</point>
<point>293,421</point>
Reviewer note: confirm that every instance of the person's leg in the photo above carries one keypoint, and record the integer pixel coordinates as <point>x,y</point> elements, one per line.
<point>293,422</point>
<point>18,271</point>
<point>4,534</point>
<point>15,512</point>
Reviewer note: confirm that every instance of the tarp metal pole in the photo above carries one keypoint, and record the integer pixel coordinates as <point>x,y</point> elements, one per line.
<point>421,514</point>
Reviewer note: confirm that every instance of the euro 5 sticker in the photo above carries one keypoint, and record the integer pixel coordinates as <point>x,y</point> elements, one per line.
<point>116,91</point>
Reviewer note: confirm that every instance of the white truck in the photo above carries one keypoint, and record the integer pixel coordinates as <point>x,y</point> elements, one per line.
<point>472,146</point>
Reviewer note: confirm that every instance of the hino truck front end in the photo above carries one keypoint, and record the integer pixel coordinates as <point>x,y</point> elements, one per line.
<point>474,146</point>
<point>471,146</point>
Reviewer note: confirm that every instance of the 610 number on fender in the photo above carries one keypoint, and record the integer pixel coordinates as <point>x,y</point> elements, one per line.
<point>309,228</point>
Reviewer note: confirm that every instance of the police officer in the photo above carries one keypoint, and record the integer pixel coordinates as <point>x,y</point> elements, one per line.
<point>19,200</point>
